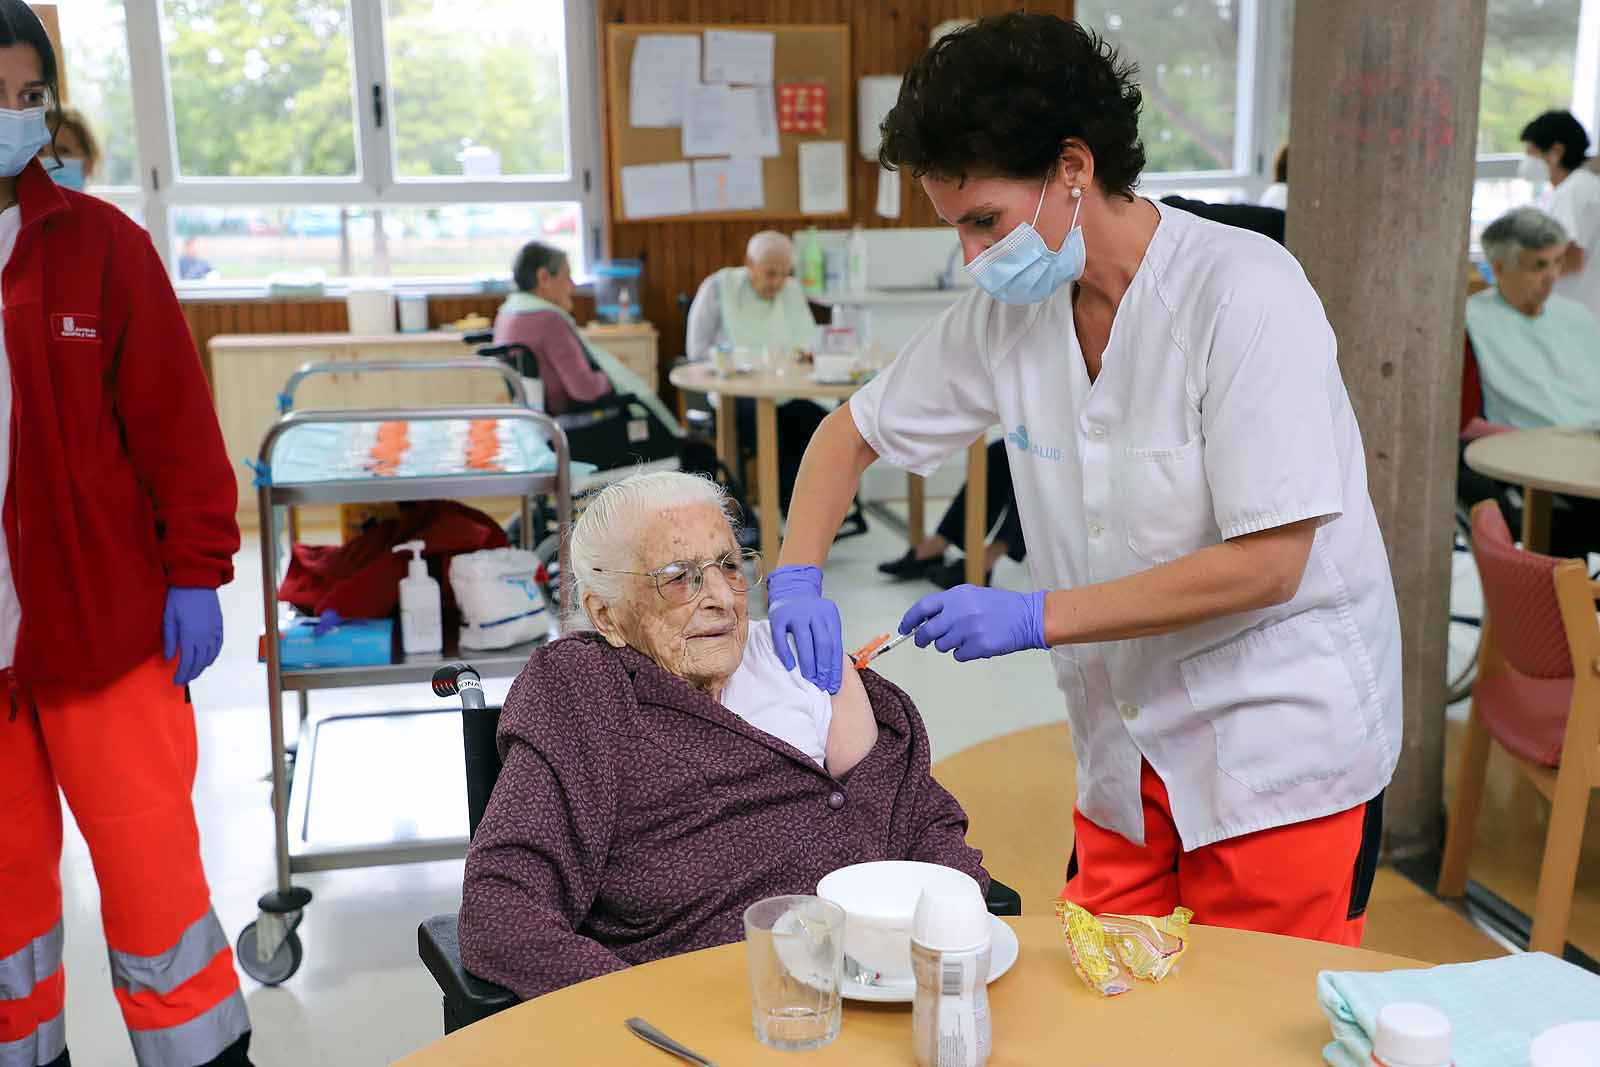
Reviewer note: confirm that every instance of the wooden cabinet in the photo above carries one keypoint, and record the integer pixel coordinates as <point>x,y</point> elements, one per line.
<point>633,344</point>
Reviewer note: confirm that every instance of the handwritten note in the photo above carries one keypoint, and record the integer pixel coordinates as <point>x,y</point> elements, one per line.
<point>753,122</point>
<point>728,184</point>
<point>822,190</point>
<point>656,189</point>
<point>739,57</point>
<point>706,121</point>
<point>664,66</point>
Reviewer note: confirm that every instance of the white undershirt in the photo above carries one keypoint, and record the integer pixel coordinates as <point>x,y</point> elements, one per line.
<point>10,608</point>
<point>778,701</point>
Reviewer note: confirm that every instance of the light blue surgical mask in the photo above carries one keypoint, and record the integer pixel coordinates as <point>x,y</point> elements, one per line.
<point>22,134</point>
<point>68,173</point>
<point>1021,269</point>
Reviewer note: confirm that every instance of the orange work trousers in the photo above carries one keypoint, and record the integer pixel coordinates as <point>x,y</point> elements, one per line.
<point>1308,879</point>
<point>124,755</point>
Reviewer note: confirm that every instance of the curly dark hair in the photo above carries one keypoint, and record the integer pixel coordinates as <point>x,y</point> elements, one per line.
<point>1002,97</point>
<point>1558,127</point>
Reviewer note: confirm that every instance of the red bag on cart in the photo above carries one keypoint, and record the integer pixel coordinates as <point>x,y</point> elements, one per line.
<point>361,579</point>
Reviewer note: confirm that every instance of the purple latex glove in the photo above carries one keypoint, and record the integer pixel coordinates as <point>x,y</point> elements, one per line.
<point>977,622</point>
<point>796,610</point>
<point>191,630</point>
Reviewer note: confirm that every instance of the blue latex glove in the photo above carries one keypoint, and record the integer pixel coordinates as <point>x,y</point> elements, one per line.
<point>977,622</point>
<point>191,630</point>
<point>796,610</point>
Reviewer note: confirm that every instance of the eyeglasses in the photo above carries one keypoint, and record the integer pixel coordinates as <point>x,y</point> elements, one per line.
<point>681,581</point>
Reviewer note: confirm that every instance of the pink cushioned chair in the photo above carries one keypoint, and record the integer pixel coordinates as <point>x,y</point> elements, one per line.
<point>1538,696</point>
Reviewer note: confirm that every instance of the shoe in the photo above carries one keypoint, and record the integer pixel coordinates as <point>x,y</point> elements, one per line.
<point>950,575</point>
<point>909,566</point>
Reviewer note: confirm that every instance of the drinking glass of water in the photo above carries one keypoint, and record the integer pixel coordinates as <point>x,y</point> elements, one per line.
<point>796,949</point>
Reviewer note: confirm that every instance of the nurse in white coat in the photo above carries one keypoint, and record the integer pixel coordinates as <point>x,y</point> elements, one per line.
<point>1213,588</point>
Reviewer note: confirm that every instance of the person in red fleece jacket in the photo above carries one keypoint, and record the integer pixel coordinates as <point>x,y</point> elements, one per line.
<point>118,529</point>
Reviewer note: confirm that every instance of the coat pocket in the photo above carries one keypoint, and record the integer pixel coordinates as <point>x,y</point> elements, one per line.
<point>1168,508</point>
<point>1282,702</point>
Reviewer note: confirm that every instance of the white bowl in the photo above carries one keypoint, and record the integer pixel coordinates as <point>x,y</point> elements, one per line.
<point>879,900</point>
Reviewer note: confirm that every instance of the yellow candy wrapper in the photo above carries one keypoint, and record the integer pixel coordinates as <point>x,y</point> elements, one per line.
<point>1109,951</point>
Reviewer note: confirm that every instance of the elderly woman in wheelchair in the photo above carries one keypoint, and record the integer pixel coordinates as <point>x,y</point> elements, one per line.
<point>663,772</point>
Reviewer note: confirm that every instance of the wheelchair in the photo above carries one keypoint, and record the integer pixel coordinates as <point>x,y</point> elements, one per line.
<point>467,998</point>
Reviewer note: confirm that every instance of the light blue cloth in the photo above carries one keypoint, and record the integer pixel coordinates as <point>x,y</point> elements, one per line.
<point>1496,1007</point>
<point>342,451</point>
<point>1540,371</point>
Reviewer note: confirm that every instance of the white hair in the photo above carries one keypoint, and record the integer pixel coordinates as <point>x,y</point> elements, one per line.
<point>613,520</point>
<point>1519,230</point>
<point>769,243</point>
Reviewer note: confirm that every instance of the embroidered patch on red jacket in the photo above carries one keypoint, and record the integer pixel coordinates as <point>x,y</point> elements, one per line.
<point>75,327</point>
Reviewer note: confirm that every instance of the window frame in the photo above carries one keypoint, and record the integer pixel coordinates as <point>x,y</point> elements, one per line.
<point>1264,42</point>
<point>163,188</point>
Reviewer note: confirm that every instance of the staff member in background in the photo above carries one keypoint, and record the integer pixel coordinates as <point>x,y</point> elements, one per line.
<point>118,529</point>
<point>1555,145</point>
<point>761,306</point>
<point>73,155</point>
<point>1212,583</point>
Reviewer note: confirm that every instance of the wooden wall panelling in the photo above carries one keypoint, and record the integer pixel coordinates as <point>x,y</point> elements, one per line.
<point>885,38</point>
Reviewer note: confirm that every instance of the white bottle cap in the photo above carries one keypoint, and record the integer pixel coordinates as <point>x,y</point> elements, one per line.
<point>951,919</point>
<point>1412,1035</point>
<point>1571,1045</point>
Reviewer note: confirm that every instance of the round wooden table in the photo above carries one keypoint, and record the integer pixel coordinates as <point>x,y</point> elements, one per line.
<point>790,381</point>
<point>1237,997</point>
<point>1542,462</point>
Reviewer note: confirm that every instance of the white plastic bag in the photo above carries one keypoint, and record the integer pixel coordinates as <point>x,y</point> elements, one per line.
<point>500,601</point>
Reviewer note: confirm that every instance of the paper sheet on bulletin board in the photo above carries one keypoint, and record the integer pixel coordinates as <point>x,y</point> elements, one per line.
<point>803,55</point>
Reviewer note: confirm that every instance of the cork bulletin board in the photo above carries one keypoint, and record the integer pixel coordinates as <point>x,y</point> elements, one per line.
<point>803,54</point>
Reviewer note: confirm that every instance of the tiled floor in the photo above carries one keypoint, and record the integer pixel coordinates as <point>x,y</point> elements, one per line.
<point>361,996</point>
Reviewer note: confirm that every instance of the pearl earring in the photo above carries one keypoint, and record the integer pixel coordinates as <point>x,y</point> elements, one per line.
<point>1076,192</point>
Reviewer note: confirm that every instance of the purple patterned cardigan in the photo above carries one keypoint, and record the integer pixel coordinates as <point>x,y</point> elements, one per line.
<point>637,818</point>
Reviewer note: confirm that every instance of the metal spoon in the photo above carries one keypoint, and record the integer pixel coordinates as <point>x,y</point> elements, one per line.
<point>644,1031</point>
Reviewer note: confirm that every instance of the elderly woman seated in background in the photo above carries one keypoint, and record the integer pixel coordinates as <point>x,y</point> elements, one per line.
<point>1538,358</point>
<point>760,306</point>
<point>664,772</point>
<point>539,316</point>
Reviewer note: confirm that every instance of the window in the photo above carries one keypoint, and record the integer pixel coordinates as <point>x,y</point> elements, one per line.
<point>95,43</point>
<point>1529,52</point>
<point>494,67</point>
<point>1189,61</point>
<point>421,139</point>
<point>260,89</point>
<point>1214,76</point>
<point>1532,62</point>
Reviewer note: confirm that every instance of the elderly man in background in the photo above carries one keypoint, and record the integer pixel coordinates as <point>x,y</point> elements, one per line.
<point>1538,353</point>
<point>760,306</point>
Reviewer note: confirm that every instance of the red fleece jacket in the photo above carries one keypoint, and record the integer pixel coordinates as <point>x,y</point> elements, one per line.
<point>120,485</point>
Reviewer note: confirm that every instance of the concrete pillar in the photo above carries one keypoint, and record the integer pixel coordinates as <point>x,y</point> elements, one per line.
<point>1383,125</point>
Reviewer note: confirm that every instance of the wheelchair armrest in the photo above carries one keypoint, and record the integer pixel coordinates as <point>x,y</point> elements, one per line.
<point>477,337</point>
<point>1001,899</point>
<point>467,998</point>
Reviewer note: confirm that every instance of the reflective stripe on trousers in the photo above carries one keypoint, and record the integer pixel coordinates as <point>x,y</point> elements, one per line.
<point>182,1006</point>
<point>30,965</point>
<point>197,1041</point>
<point>46,1043</point>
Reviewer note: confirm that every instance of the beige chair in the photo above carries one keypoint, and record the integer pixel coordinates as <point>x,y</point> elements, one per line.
<point>1537,696</point>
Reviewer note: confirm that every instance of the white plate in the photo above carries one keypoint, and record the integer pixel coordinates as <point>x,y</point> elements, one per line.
<point>832,379</point>
<point>1003,952</point>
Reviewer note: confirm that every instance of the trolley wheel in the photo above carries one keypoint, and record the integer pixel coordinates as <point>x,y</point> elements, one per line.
<point>279,968</point>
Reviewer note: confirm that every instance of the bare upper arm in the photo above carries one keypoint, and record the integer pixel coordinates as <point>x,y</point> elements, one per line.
<point>854,729</point>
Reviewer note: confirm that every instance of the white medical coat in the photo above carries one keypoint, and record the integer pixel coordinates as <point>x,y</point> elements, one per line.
<point>1219,411</point>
